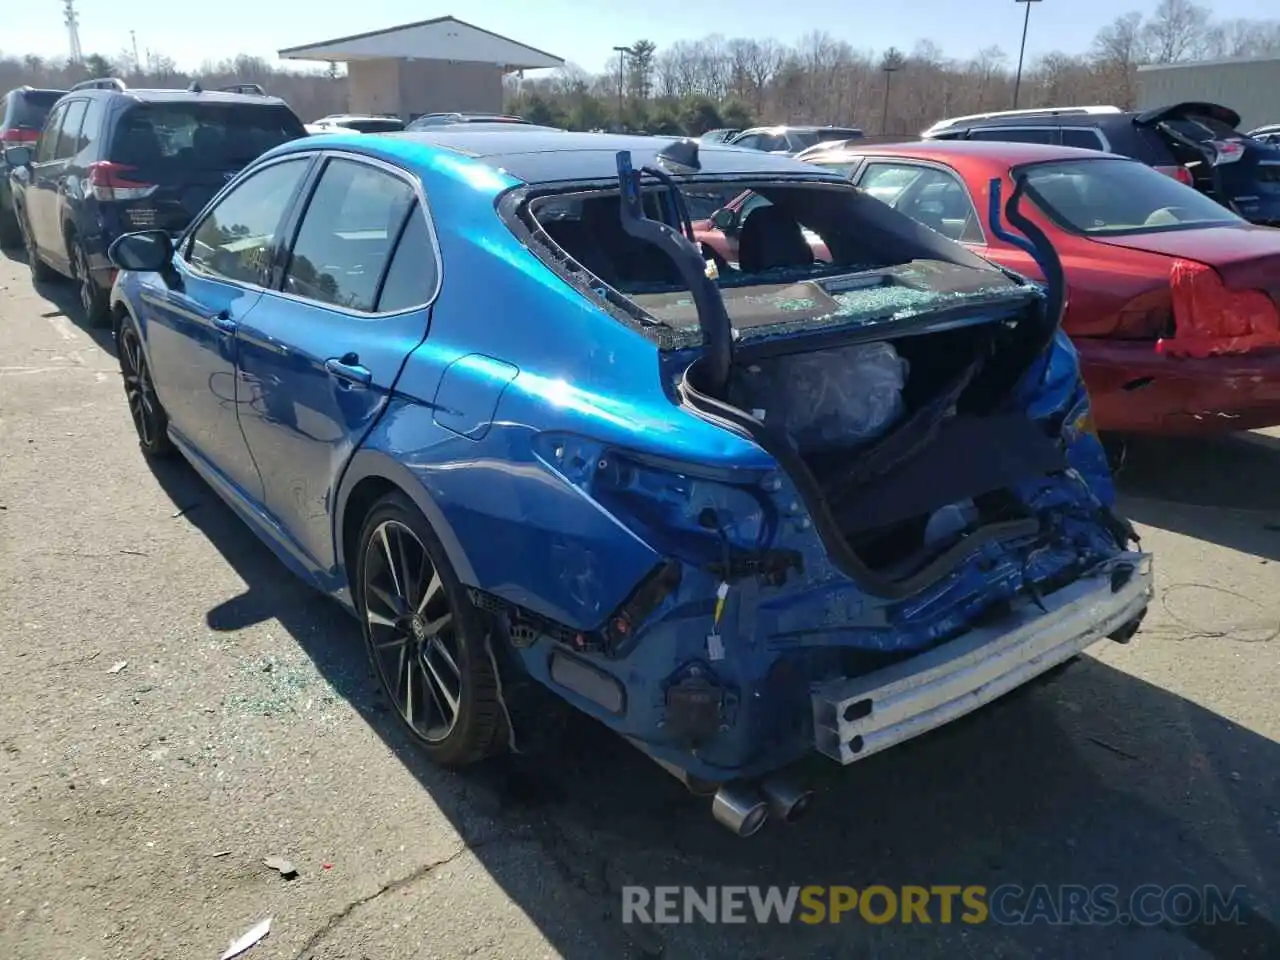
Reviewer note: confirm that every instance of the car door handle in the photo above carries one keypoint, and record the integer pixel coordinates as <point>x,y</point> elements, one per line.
<point>348,368</point>
<point>224,322</point>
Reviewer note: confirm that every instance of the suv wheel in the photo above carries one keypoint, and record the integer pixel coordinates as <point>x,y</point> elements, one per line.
<point>41,272</point>
<point>93,300</point>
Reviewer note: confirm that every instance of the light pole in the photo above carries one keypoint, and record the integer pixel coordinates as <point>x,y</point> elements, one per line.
<point>622,65</point>
<point>1022,51</point>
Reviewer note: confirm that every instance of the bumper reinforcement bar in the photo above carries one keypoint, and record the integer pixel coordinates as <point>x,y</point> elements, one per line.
<point>856,717</point>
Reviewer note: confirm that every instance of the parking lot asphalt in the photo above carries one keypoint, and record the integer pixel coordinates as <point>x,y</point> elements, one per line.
<point>176,708</point>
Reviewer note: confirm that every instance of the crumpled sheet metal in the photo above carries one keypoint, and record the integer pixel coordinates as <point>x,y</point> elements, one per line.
<point>1212,320</point>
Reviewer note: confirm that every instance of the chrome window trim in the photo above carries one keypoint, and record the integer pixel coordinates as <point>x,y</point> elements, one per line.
<point>872,159</point>
<point>187,237</point>
<point>415,183</point>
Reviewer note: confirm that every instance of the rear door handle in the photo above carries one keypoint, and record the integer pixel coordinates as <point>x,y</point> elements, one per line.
<point>224,322</point>
<point>348,368</point>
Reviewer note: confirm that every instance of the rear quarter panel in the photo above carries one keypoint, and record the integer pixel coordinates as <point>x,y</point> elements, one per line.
<point>526,353</point>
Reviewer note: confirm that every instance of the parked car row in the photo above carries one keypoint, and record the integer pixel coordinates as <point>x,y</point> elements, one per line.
<point>783,503</point>
<point>109,160</point>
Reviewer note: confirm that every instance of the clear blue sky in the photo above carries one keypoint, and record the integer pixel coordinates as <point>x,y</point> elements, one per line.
<point>563,27</point>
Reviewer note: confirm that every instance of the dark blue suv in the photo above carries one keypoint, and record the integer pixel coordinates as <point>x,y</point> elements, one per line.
<point>111,160</point>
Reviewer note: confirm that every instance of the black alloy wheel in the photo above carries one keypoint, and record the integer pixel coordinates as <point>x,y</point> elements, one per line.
<point>426,640</point>
<point>149,417</point>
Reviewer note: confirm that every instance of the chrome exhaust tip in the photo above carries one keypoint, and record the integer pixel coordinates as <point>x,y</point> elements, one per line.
<point>740,808</point>
<point>787,802</point>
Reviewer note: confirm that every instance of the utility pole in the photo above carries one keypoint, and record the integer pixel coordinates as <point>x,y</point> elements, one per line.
<point>137,64</point>
<point>622,66</point>
<point>72,21</point>
<point>891,64</point>
<point>1022,51</point>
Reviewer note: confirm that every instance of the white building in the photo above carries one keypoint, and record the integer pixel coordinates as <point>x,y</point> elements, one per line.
<point>1249,87</point>
<point>433,66</point>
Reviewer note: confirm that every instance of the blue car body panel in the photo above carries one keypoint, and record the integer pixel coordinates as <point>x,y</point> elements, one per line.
<point>504,412</point>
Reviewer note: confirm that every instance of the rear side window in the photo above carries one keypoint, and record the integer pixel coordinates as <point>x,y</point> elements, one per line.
<point>91,128</point>
<point>69,130</point>
<point>411,278</point>
<point>346,235</point>
<point>1016,134</point>
<point>1082,137</point>
<point>201,136</point>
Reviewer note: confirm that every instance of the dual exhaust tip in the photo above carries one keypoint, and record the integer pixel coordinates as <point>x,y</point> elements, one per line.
<point>746,807</point>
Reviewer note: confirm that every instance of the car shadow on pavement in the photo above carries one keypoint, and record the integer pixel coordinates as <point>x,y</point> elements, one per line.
<point>1098,778</point>
<point>64,302</point>
<point>1223,490</point>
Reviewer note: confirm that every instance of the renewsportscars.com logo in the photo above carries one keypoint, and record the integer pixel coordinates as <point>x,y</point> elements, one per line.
<point>1009,904</point>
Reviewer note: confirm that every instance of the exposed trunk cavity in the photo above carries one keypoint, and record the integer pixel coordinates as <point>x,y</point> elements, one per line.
<point>905,445</point>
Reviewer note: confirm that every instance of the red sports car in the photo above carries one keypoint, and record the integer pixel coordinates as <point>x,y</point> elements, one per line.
<point>1173,300</point>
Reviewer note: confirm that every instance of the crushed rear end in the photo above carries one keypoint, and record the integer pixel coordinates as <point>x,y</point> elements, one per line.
<point>928,524</point>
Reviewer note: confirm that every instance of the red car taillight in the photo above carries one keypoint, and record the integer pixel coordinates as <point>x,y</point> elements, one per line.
<point>1211,320</point>
<point>107,182</point>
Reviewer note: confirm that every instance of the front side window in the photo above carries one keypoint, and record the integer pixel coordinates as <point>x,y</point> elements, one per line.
<point>344,242</point>
<point>1103,197</point>
<point>235,240</point>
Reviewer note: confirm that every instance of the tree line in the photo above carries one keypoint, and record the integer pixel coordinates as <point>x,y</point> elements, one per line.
<point>697,85</point>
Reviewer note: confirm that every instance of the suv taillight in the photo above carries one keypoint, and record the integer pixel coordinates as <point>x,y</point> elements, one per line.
<point>11,138</point>
<point>1228,151</point>
<point>1180,173</point>
<point>107,182</point>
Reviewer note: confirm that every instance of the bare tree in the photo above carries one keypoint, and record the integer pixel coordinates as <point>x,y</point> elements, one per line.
<point>1177,30</point>
<point>1118,49</point>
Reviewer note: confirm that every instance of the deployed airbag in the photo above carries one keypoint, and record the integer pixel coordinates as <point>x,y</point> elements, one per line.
<point>846,396</point>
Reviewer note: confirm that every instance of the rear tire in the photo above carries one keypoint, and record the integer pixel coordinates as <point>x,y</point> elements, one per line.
<point>93,299</point>
<point>426,641</point>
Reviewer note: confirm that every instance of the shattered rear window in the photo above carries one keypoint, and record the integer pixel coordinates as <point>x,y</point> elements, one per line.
<point>793,256</point>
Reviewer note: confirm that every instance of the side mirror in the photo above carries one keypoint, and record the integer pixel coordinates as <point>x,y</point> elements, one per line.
<point>725,220</point>
<point>18,157</point>
<point>148,251</point>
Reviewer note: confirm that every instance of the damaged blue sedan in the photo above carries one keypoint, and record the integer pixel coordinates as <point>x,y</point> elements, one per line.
<point>489,392</point>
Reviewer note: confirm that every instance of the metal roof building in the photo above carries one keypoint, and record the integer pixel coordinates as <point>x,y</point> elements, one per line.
<point>1246,86</point>
<point>433,66</point>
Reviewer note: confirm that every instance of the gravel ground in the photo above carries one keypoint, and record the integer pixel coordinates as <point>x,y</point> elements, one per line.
<point>176,708</point>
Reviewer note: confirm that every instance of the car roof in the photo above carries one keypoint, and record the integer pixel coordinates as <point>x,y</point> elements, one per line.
<point>994,152</point>
<point>547,156</point>
<point>26,91</point>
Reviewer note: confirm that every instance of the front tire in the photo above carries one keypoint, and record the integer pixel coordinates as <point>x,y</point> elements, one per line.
<point>150,420</point>
<point>41,272</point>
<point>426,641</point>
<point>10,232</point>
